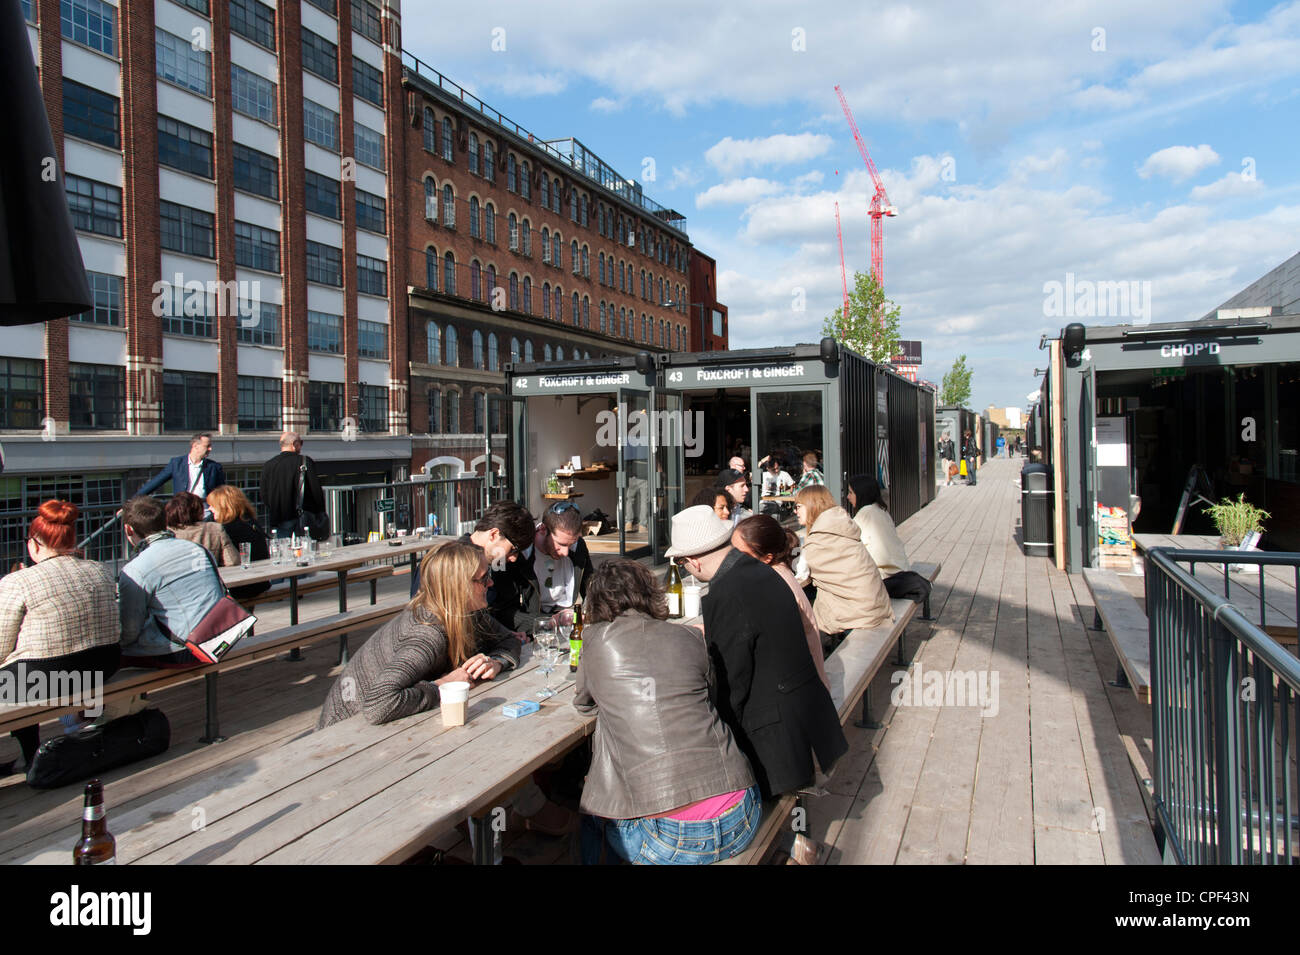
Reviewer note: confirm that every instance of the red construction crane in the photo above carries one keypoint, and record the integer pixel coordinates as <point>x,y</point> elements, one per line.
<point>844,276</point>
<point>879,202</point>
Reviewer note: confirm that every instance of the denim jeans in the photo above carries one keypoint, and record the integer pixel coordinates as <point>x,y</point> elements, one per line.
<point>669,842</point>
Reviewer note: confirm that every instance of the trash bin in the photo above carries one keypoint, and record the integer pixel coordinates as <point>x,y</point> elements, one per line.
<point>1036,515</point>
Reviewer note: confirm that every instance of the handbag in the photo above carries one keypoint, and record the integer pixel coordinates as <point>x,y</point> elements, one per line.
<point>224,625</point>
<point>963,468</point>
<point>94,751</point>
<point>315,523</point>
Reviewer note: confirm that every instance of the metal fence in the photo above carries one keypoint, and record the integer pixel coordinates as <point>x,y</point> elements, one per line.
<point>357,510</point>
<point>1224,714</point>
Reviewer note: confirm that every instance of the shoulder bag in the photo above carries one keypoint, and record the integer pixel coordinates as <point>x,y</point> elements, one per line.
<point>315,523</point>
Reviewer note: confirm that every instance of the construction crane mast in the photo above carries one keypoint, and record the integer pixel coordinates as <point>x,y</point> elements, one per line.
<point>880,206</point>
<point>844,276</point>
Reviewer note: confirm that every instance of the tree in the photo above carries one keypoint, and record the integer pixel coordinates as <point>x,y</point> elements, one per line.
<point>956,385</point>
<point>872,326</point>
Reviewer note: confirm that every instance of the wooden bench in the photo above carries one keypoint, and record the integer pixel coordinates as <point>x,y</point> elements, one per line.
<point>133,681</point>
<point>371,575</point>
<point>851,668</point>
<point>1118,613</point>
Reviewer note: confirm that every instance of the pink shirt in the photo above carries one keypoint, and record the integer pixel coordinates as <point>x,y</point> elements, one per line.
<point>710,808</point>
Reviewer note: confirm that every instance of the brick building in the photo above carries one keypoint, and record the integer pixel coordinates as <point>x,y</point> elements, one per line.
<point>228,170</point>
<point>520,249</point>
<point>708,316</point>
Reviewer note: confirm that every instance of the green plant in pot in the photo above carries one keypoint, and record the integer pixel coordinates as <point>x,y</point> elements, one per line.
<point>1235,520</point>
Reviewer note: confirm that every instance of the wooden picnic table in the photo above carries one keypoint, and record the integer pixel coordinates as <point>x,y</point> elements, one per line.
<point>340,562</point>
<point>1277,613</point>
<point>354,793</point>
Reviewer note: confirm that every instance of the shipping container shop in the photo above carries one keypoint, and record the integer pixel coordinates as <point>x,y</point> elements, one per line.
<point>637,438</point>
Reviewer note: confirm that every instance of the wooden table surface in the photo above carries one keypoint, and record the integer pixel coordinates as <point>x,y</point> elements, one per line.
<point>1243,589</point>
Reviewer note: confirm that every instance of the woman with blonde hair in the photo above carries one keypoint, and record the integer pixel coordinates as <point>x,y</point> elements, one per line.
<point>234,512</point>
<point>443,635</point>
<point>850,593</point>
<point>185,519</point>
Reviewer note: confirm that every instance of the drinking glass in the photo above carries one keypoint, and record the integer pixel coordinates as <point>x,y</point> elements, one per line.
<point>563,622</point>
<point>277,550</point>
<point>245,554</point>
<point>325,549</point>
<point>547,660</point>
<point>544,633</point>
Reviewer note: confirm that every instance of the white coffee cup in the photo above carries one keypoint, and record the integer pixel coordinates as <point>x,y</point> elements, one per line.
<point>691,600</point>
<point>452,699</point>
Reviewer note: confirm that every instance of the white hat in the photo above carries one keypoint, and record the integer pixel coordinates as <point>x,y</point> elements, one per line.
<point>698,530</point>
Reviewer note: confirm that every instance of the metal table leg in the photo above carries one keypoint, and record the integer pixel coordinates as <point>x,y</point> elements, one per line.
<point>295,654</point>
<point>865,722</point>
<point>211,728</point>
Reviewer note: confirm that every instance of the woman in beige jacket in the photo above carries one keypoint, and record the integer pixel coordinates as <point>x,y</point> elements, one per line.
<point>850,593</point>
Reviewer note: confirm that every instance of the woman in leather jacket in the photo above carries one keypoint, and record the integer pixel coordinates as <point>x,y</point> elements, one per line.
<point>667,784</point>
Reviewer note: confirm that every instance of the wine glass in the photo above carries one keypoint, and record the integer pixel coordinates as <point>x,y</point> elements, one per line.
<point>563,623</point>
<point>547,660</point>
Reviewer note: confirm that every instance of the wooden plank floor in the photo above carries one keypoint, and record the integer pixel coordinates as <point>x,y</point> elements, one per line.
<point>1043,774</point>
<point>1047,774</point>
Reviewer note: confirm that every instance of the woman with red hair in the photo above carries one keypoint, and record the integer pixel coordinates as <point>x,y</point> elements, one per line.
<point>59,615</point>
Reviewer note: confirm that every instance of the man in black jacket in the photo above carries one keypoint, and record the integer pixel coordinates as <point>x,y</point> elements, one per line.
<point>769,692</point>
<point>502,533</point>
<point>280,486</point>
<point>550,575</point>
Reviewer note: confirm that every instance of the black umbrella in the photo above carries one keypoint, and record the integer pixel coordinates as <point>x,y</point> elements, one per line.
<point>41,273</point>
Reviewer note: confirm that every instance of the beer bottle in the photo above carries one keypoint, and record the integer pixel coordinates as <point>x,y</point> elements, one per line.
<point>674,591</point>
<point>575,637</point>
<point>97,845</point>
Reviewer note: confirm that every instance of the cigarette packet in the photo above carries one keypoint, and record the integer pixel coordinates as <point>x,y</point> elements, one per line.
<point>520,708</point>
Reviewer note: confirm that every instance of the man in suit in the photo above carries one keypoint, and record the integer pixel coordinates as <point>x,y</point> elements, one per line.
<point>194,472</point>
<point>769,691</point>
<point>280,486</point>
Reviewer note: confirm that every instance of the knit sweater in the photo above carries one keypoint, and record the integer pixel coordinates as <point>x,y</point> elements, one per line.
<point>392,675</point>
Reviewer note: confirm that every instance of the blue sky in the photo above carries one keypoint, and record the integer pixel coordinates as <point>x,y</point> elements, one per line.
<point>1019,141</point>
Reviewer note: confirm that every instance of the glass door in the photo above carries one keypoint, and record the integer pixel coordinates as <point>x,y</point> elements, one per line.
<point>510,414</point>
<point>673,439</point>
<point>635,504</point>
<point>788,423</point>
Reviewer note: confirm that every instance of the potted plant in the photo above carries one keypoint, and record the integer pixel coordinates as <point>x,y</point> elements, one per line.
<point>1236,521</point>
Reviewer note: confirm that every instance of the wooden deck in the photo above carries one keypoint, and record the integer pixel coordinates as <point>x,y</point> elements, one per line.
<point>1048,779</point>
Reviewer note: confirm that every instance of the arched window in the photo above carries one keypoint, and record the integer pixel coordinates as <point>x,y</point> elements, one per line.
<point>435,411</point>
<point>446,139</point>
<point>600,260</point>
<point>492,351</point>
<point>474,229</point>
<point>622,286</point>
<point>577,310</point>
<point>546,300</point>
<point>490,224</point>
<point>512,173</point>
<point>661,288</point>
<point>559,353</point>
<point>478,412</point>
<point>528,350</point>
<point>430,199</point>
<point>453,412</point>
<point>514,291</point>
<point>622,323</point>
<point>491,281</point>
<point>433,337</point>
<point>546,192</point>
<point>475,281</point>
<point>557,250</point>
<point>573,205</point>
<point>430,130</point>
<point>643,283</point>
<point>559,304</point>
<point>586,312</point>
<point>448,206</point>
<point>546,240</point>
<point>586,262</point>
<point>524,185</point>
<point>514,348</point>
<point>585,221</point>
<point>602,318</point>
<point>574,259</point>
<point>478,349</point>
<point>547,354</point>
<point>431,268</point>
<point>449,274</point>
<point>526,234</point>
<point>528,295</point>
<point>450,350</point>
<point>513,222</point>
<point>555,196</point>
<point>489,163</point>
<point>473,153</point>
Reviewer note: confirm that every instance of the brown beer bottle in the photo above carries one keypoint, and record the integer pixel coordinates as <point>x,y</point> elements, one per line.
<point>97,845</point>
<point>575,637</point>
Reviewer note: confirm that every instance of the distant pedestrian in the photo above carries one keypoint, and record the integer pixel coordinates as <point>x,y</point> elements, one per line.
<point>1002,446</point>
<point>947,455</point>
<point>970,454</point>
<point>195,472</point>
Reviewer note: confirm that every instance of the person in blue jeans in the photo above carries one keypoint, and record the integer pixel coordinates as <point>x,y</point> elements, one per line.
<point>668,784</point>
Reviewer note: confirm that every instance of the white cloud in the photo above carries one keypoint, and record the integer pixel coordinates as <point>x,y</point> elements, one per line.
<point>733,191</point>
<point>1178,162</point>
<point>682,176</point>
<point>1034,165</point>
<point>603,104</point>
<point>730,155</point>
<point>1231,186</point>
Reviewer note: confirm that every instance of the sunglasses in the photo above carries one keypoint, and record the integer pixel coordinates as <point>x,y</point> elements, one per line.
<point>561,506</point>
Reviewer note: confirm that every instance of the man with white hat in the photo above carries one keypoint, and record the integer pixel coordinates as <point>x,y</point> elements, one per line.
<point>769,690</point>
